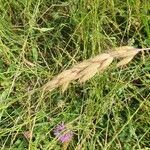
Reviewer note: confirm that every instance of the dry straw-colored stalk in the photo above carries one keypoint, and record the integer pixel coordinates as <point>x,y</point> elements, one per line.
<point>88,68</point>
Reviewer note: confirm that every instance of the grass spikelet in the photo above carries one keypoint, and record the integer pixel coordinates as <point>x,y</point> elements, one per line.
<point>124,51</point>
<point>51,85</point>
<point>125,61</point>
<point>89,72</point>
<point>105,64</point>
<point>100,57</point>
<point>65,86</point>
<point>88,68</point>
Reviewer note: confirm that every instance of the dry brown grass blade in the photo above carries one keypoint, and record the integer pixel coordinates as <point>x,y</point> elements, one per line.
<point>88,68</point>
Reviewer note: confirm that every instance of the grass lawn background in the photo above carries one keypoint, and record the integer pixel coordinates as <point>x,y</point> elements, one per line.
<point>41,38</point>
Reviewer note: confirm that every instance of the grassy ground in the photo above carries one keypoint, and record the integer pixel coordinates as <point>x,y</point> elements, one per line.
<point>39,39</point>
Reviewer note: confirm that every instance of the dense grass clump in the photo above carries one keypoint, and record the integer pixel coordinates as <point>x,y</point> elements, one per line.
<point>41,38</point>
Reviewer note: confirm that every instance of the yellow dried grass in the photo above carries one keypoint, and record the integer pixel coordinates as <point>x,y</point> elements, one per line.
<point>88,68</point>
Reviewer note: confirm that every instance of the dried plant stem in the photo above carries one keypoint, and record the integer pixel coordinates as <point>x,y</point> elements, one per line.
<point>65,145</point>
<point>88,68</point>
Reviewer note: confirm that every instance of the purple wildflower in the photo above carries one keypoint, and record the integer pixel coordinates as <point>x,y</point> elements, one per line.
<point>62,133</point>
